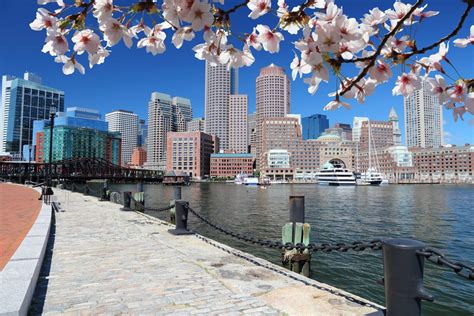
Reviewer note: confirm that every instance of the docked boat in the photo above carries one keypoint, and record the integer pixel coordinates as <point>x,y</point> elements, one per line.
<point>371,177</point>
<point>251,181</point>
<point>335,173</point>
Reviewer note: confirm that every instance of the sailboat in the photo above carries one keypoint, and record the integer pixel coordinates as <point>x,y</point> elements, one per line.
<point>372,176</point>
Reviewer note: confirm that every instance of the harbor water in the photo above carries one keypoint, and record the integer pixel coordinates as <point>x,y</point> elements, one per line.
<point>442,216</point>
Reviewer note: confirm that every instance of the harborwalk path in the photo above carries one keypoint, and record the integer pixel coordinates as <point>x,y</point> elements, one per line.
<point>102,260</point>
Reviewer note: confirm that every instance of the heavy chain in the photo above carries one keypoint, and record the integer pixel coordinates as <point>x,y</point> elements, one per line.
<point>149,209</point>
<point>440,259</point>
<point>375,244</point>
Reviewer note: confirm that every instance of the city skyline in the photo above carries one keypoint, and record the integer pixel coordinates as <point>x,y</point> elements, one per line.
<point>126,93</point>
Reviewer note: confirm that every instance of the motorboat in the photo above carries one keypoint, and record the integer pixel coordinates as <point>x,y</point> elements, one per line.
<point>335,173</point>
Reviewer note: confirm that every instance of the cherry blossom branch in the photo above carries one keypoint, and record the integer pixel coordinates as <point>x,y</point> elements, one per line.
<point>373,57</point>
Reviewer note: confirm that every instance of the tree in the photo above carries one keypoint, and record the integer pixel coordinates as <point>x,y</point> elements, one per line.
<point>327,41</point>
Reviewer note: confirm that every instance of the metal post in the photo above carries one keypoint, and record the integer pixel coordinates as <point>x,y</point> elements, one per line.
<point>403,277</point>
<point>181,219</point>
<point>104,196</point>
<point>140,187</point>
<point>296,212</point>
<point>177,193</point>
<point>126,201</point>
<point>86,190</point>
<point>52,115</point>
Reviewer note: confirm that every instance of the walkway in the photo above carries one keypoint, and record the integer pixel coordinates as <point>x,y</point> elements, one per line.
<point>106,261</point>
<point>19,208</point>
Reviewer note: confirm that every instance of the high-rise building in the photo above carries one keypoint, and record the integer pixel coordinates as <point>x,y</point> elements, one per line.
<point>23,101</point>
<point>77,133</point>
<point>142,134</point>
<point>397,135</point>
<point>357,126</point>
<point>160,116</point>
<point>238,111</point>
<point>220,84</point>
<point>252,133</point>
<point>126,123</point>
<point>273,99</point>
<point>196,125</point>
<point>346,130</point>
<point>190,152</point>
<point>138,157</point>
<point>379,132</point>
<point>423,119</point>
<point>314,125</point>
<point>182,113</point>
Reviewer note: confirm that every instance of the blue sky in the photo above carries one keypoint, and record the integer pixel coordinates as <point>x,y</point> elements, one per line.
<point>129,76</point>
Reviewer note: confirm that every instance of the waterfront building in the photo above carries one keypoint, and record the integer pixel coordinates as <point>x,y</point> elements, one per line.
<point>238,109</point>
<point>190,152</point>
<point>219,85</point>
<point>252,133</point>
<point>182,113</point>
<point>230,165</point>
<point>138,157</point>
<point>333,146</point>
<point>423,119</point>
<point>273,101</point>
<point>346,130</point>
<point>397,134</point>
<point>448,164</point>
<point>381,135</point>
<point>196,125</point>
<point>314,125</point>
<point>357,126</point>
<point>77,133</point>
<point>125,123</point>
<point>142,134</point>
<point>159,124</point>
<point>22,102</point>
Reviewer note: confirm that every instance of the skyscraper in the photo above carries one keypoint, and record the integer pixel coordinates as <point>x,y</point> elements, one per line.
<point>182,113</point>
<point>314,125</point>
<point>196,125</point>
<point>252,132</point>
<point>357,127</point>
<point>273,99</point>
<point>160,116</point>
<point>238,109</point>
<point>220,84</point>
<point>126,123</point>
<point>23,101</point>
<point>397,135</point>
<point>423,119</point>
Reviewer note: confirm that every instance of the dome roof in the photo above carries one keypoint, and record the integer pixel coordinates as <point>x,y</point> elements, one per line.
<point>329,138</point>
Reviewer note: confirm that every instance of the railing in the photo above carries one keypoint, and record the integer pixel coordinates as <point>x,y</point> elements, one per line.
<point>403,259</point>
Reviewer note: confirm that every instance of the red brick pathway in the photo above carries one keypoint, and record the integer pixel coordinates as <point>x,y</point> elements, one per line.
<point>19,208</point>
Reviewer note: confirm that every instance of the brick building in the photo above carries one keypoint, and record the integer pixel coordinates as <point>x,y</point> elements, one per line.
<point>230,165</point>
<point>138,157</point>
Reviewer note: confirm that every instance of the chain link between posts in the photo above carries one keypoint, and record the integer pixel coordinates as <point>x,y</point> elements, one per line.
<point>435,256</point>
<point>150,209</point>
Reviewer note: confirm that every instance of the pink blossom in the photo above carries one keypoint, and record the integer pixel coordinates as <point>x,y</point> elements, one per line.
<point>469,103</point>
<point>313,83</point>
<point>200,15</point>
<point>332,12</point>
<point>182,34</point>
<point>59,2</point>
<point>401,9</point>
<point>56,44</point>
<point>258,8</point>
<point>44,20</point>
<point>235,58</point>
<point>103,10</point>
<point>380,72</point>
<point>86,40</point>
<point>334,105</point>
<point>407,83</point>
<point>463,42</point>
<point>422,15</point>
<point>252,40</point>
<point>270,39</point>
<point>114,32</point>
<point>459,112</point>
<point>99,57</point>
<point>457,92</point>
<point>70,64</point>
<point>374,17</point>
<point>299,67</point>
<point>399,44</point>
<point>438,88</point>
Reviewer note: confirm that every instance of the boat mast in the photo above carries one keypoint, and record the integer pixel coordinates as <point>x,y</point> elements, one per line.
<point>370,147</point>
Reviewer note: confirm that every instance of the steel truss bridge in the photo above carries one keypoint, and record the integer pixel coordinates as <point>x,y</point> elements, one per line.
<point>76,170</point>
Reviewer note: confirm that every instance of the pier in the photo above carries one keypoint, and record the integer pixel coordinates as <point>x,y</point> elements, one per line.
<point>103,260</point>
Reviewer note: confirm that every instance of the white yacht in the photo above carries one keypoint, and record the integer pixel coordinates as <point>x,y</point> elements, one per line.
<point>371,177</point>
<point>334,173</point>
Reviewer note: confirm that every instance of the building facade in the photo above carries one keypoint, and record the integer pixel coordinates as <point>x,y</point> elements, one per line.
<point>160,116</point>
<point>423,119</point>
<point>272,101</point>
<point>127,124</point>
<point>357,127</point>
<point>314,125</point>
<point>182,113</point>
<point>220,83</point>
<point>190,152</point>
<point>238,126</point>
<point>230,165</point>
<point>346,130</point>
<point>24,101</point>
<point>138,157</point>
<point>196,125</point>
<point>381,135</point>
<point>142,134</point>
<point>252,133</point>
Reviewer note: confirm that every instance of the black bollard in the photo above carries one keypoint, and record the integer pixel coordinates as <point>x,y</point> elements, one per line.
<point>403,277</point>
<point>104,196</point>
<point>296,211</point>
<point>86,190</point>
<point>177,193</point>
<point>181,219</point>
<point>126,201</point>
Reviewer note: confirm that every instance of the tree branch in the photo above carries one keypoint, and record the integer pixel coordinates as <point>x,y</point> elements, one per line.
<point>373,57</point>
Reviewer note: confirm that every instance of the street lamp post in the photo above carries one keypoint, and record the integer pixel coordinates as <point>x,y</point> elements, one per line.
<point>52,115</point>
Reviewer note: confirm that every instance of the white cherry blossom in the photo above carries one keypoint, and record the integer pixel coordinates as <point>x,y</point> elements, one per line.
<point>406,84</point>
<point>252,40</point>
<point>374,17</point>
<point>235,58</point>
<point>140,27</point>
<point>332,12</point>
<point>103,10</point>
<point>44,20</point>
<point>334,105</point>
<point>469,102</point>
<point>70,64</point>
<point>459,112</point>
<point>99,57</point>
<point>269,39</point>
<point>200,15</point>
<point>457,92</point>
<point>401,9</point>
<point>182,34</point>
<point>259,8</point>
<point>381,72</point>
<point>299,67</point>
<point>463,42</point>
<point>423,15</point>
<point>59,2</point>
<point>438,88</point>
<point>313,83</point>
<point>86,40</point>
<point>114,31</point>
<point>56,44</point>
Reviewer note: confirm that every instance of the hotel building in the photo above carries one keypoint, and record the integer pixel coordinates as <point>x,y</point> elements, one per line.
<point>22,102</point>
<point>230,165</point>
<point>238,109</point>
<point>423,119</point>
<point>125,123</point>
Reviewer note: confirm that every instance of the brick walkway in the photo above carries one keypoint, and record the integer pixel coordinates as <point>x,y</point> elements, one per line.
<point>19,208</point>
<point>106,261</point>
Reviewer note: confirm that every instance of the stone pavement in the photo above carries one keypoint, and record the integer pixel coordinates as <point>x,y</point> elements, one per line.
<point>19,208</point>
<point>107,261</point>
